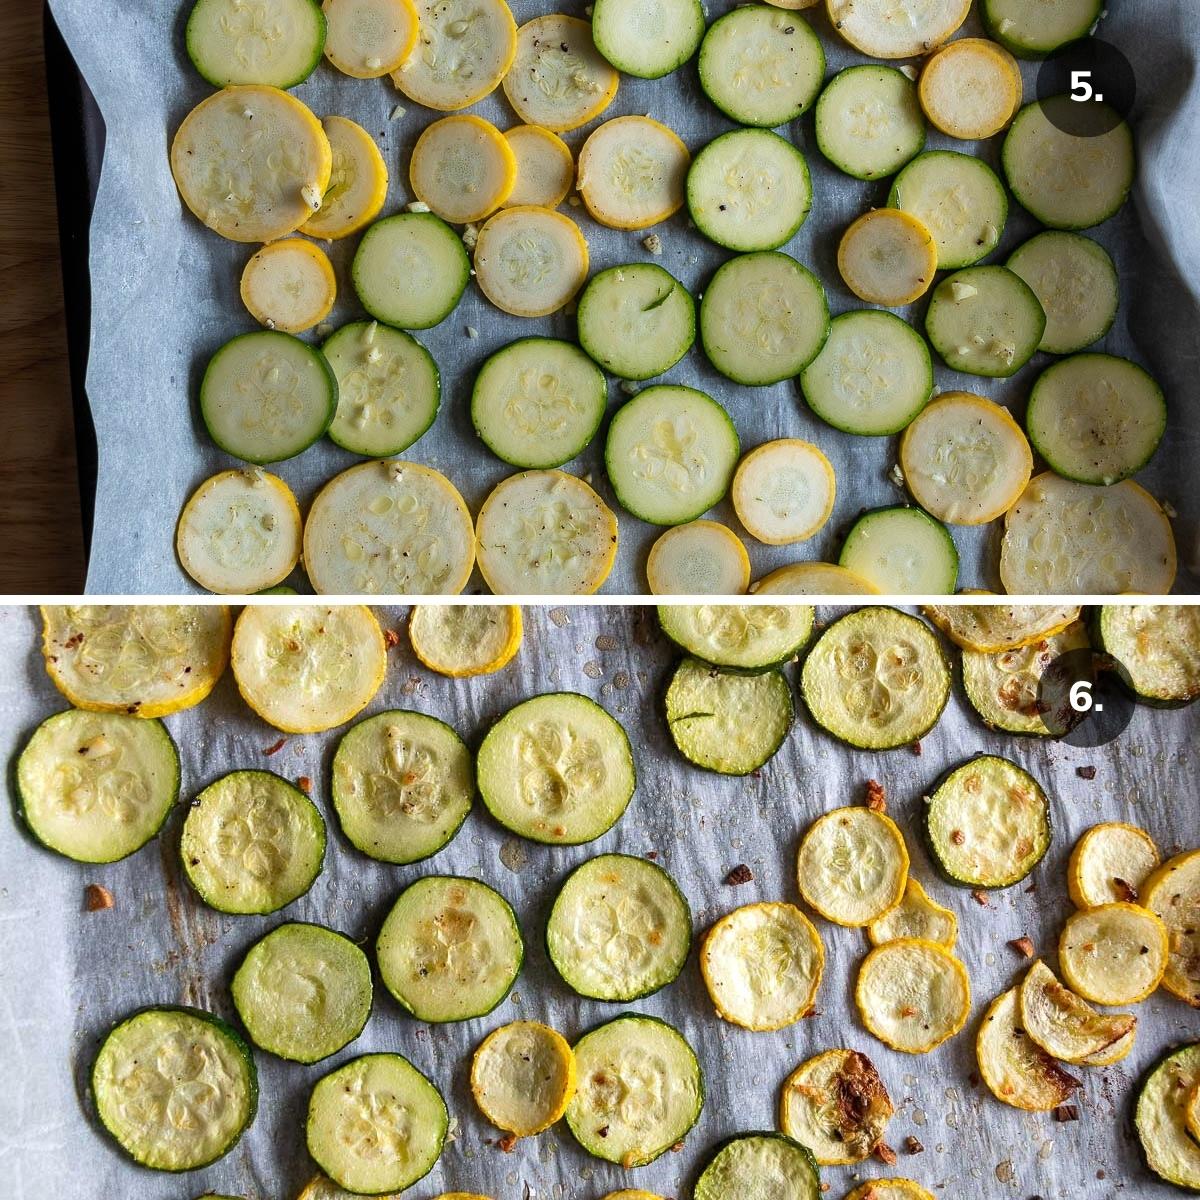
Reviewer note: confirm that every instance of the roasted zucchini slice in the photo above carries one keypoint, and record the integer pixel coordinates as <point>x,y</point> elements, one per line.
<point>1173,893</point>
<point>738,637</point>
<point>523,1077</point>
<point>890,1189</point>
<point>1069,1028</point>
<point>1111,861</point>
<point>321,1187</point>
<point>876,679</point>
<point>760,1164</point>
<point>1113,953</point>
<point>1160,1117</point>
<point>1015,1068</point>
<point>990,628</point>
<point>837,1106</point>
<point>1156,648</point>
<point>987,823</point>
<point>461,640</point>
<point>916,916</point>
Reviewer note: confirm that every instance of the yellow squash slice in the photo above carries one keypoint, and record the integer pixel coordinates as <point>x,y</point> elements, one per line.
<point>896,28</point>
<point>632,1194</point>
<point>545,168</point>
<point>1173,893</point>
<point>971,88</point>
<point>837,1106</point>
<point>1111,861</point>
<point>1015,1068</point>
<point>558,79</point>
<point>632,172</point>
<point>916,916</point>
<point>240,532</point>
<point>369,38</point>
<point>783,491</point>
<point>462,52</point>
<point>762,965</point>
<point>990,628</point>
<point>1069,1028</point>
<point>149,660</point>
<point>523,1077</point>
<point>305,668</point>
<point>252,163</point>
<point>358,183</point>
<point>852,865</point>
<point>321,1187</point>
<point>1191,1113</point>
<point>461,640</point>
<point>888,257</point>
<point>530,261</point>
<point>890,1189</point>
<point>813,579</point>
<point>289,285</point>
<point>912,994</point>
<point>463,168</point>
<point>698,558</point>
<point>389,528</point>
<point>1114,953</point>
<point>545,533</point>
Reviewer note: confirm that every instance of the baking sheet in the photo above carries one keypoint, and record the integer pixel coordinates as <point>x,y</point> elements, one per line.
<point>65,976</point>
<point>165,291</point>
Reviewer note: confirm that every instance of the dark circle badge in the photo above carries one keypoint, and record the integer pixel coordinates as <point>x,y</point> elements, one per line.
<point>1084,707</point>
<point>1086,87</point>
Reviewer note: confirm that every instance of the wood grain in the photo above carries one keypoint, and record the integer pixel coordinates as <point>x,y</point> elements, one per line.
<point>41,533</point>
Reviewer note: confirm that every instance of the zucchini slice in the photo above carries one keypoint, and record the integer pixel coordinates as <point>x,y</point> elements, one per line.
<point>96,786</point>
<point>761,66</point>
<point>1075,282</point>
<point>762,965</point>
<point>619,928</point>
<point>636,320</point>
<point>959,199</point>
<point>558,79</point>
<point>523,1077</point>
<point>175,1087</point>
<point>763,317</point>
<point>727,722</point>
<point>391,527</point>
<point>146,660</point>
<point>529,261</point>
<point>760,1164</point>
<point>1066,181</point>
<point>890,1189</point>
<point>305,668</point>
<point>699,558</point>
<point>1173,893</point>
<point>1066,1027</point>
<point>1160,1117</point>
<point>252,163</point>
<point>462,640</point>
<point>873,375</point>
<point>739,637</point>
<point>876,679</point>
<point>463,50</point>
<point>852,865</point>
<point>1017,1071</point>
<point>640,1090</point>
<point>888,257</point>
<point>369,38</point>
<point>357,185</point>
<point>749,189</point>
<point>813,579</point>
<point>277,45</point>
<point>632,172</point>
<point>985,321</point>
<point>1064,538</point>
<point>538,402</point>
<point>240,532</point>
<point>289,285</point>
<point>990,628</point>
<point>903,551</point>
<point>647,38</point>
<point>896,28</point>
<point>557,769</point>
<point>410,270</point>
<point>987,823</point>
<point>1111,861</point>
<point>1114,953</point>
<point>916,916</point>
<point>836,1105</point>
<point>545,168</point>
<point>965,460</point>
<point>545,533</point>
<point>970,88</point>
<point>252,843</point>
<point>463,168</point>
<point>376,1124</point>
<point>670,454</point>
<point>912,995</point>
<point>450,949</point>
<point>1031,30</point>
<point>267,396</point>
<point>1028,690</point>
<point>389,389</point>
<point>1156,648</point>
<point>303,992</point>
<point>1191,1115</point>
<point>1096,418</point>
<point>869,122</point>
<point>402,785</point>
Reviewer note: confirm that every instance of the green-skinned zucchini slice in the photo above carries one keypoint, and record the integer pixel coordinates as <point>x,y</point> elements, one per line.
<point>1017,1071</point>
<point>1160,1117</point>
<point>738,637</point>
<point>1066,1026</point>
<point>760,1164</point>
<point>1156,648</point>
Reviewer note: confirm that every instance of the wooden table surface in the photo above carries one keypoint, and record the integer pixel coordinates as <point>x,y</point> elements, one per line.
<point>41,535</point>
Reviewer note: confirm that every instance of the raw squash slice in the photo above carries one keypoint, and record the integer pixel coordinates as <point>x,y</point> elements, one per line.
<point>463,168</point>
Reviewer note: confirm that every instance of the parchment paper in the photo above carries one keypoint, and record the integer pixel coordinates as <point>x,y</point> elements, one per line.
<point>65,975</point>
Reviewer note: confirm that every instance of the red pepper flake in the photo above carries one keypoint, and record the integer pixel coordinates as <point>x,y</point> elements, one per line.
<point>739,874</point>
<point>507,1142</point>
<point>913,1146</point>
<point>980,898</point>
<point>1023,946</point>
<point>652,855</point>
<point>97,898</point>
<point>391,638</point>
<point>916,749</point>
<point>1067,1112</point>
<point>305,785</point>
<point>1086,772</point>
<point>275,747</point>
<point>876,796</point>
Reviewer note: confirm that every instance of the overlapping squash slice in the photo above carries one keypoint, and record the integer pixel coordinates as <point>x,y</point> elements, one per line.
<point>358,182</point>
<point>1113,953</point>
<point>1068,1028</point>
<point>916,916</point>
<point>1173,893</point>
<point>1015,1068</point>
<point>990,628</point>
<point>463,168</point>
<point>1111,861</point>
